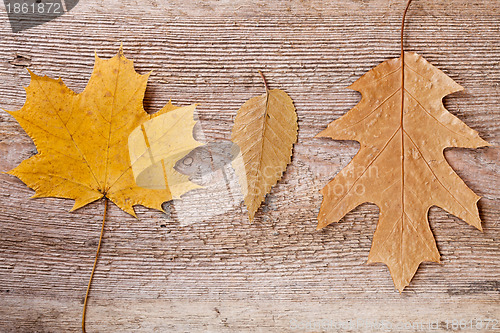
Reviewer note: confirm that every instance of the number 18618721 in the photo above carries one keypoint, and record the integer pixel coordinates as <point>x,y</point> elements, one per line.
<point>34,8</point>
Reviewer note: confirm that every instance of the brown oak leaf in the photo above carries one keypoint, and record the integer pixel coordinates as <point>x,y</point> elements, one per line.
<point>403,128</point>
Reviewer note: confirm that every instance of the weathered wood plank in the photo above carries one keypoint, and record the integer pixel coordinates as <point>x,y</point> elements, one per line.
<point>244,316</point>
<point>157,273</point>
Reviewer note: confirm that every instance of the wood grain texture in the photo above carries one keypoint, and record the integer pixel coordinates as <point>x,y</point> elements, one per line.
<point>222,274</point>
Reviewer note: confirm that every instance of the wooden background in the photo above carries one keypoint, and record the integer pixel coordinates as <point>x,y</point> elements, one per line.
<point>224,274</point>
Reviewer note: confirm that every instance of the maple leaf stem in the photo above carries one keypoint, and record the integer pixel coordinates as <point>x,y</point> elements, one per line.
<point>264,79</point>
<point>106,200</point>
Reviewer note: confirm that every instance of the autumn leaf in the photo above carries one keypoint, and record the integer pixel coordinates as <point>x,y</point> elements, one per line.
<point>265,130</point>
<point>82,138</point>
<point>403,128</point>
<point>82,142</point>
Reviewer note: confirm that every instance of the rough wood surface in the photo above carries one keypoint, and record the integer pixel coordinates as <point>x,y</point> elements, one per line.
<point>222,274</point>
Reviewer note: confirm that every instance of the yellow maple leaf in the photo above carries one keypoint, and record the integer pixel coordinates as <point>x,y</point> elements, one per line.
<point>82,138</point>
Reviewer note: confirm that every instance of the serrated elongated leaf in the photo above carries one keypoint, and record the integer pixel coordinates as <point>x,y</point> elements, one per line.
<point>265,130</point>
<point>400,166</point>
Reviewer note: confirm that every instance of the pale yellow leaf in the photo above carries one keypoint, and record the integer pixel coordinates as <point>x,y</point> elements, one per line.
<point>155,147</point>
